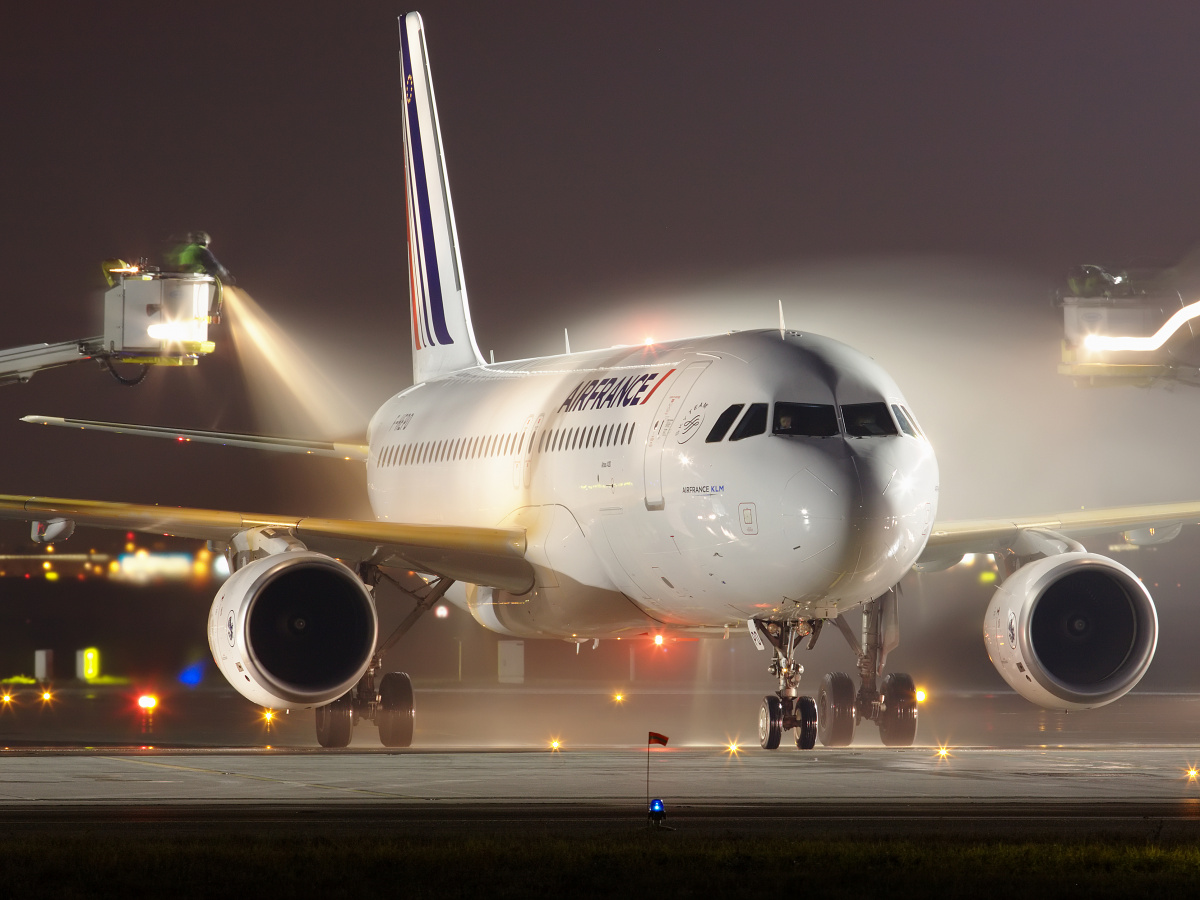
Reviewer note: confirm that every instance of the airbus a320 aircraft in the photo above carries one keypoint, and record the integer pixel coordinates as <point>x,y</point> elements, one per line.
<point>770,481</point>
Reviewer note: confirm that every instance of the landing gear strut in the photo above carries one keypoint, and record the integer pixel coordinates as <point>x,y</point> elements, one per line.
<point>892,705</point>
<point>786,709</point>
<point>390,703</point>
<point>839,708</point>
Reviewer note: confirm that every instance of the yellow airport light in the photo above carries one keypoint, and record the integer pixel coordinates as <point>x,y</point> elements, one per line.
<point>90,658</point>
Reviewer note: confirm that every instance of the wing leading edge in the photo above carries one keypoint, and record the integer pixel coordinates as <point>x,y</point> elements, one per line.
<point>949,541</point>
<point>494,557</point>
<point>357,452</point>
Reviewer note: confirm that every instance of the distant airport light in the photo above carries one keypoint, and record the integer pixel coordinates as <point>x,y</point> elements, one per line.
<point>1193,773</point>
<point>658,640</point>
<point>193,674</point>
<point>921,695</point>
<point>269,716</point>
<point>441,612</point>
<point>6,697</point>
<point>943,751</point>
<point>555,744</point>
<point>47,696</point>
<point>619,698</point>
<point>147,702</point>
<point>733,748</point>
<point>649,341</point>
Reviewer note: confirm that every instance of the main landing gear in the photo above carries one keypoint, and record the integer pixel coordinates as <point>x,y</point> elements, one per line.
<point>891,703</point>
<point>388,703</point>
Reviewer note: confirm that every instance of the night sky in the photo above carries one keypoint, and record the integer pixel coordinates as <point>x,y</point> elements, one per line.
<point>913,179</point>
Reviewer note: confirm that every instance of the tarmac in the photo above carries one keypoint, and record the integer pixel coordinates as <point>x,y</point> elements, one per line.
<point>142,773</point>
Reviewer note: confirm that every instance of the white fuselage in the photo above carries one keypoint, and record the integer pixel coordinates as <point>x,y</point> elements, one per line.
<point>637,515</point>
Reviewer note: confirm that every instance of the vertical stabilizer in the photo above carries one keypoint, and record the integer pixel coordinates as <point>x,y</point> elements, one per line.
<point>443,340</point>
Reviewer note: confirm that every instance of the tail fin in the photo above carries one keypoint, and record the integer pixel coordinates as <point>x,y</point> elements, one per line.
<point>443,340</point>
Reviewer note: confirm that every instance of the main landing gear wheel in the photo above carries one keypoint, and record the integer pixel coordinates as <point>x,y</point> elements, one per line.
<point>334,722</point>
<point>898,715</point>
<point>835,710</point>
<point>770,723</point>
<point>395,716</point>
<point>806,723</point>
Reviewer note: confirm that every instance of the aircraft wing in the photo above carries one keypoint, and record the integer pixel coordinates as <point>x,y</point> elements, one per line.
<point>357,452</point>
<point>487,556</point>
<point>951,540</point>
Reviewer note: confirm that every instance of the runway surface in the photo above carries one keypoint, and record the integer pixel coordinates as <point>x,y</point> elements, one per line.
<point>207,760</point>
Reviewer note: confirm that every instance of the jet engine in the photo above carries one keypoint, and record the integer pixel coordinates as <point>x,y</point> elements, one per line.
<point>1071,631</point>
<point>293,630</point>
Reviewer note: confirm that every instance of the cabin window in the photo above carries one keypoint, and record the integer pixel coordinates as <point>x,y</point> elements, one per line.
<point>805,420</point>
<point>721,426</point>
<point>868,420</point>
<point>753,422</point>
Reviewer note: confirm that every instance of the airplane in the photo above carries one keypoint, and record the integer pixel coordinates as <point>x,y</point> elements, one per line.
<point>770,480</point>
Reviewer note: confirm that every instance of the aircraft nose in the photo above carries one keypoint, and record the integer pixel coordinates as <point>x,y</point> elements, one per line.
<point>843,515</point>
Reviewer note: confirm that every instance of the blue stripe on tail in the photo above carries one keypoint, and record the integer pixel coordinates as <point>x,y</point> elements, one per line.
<point>428,248</point>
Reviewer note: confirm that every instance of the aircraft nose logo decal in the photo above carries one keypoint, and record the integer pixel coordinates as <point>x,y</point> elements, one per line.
<point>690,423</point>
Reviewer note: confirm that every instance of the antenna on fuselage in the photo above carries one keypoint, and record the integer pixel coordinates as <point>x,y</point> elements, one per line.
<point>781,319</point>
<point>492,356</point>
<point>567,341</point>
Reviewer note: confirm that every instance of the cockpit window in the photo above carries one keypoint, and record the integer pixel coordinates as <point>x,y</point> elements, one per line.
<point>912,420</point>
<point>753,422</point>
<point>905,425</point>
<point>807,419</point>
<point>868,420</point>
<point>721,426</point>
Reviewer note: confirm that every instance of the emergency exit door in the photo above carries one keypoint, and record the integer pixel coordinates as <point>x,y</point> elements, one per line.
<point>662,428</point>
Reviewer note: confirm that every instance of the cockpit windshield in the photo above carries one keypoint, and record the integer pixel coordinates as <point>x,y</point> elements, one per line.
<point>805,419</point>
<point>868,420</point>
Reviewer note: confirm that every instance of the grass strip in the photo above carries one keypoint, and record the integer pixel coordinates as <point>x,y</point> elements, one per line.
<point>652,862</point>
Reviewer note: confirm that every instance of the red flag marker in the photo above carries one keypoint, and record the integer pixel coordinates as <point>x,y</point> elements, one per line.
<point>656,738</point>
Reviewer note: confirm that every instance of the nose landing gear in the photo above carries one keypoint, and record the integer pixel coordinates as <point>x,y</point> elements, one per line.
<point>839,708</point>
<point>786,709</point>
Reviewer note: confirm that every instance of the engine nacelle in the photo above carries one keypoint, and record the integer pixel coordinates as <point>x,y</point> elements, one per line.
<point>294,630</point>
<point>1071,631</point>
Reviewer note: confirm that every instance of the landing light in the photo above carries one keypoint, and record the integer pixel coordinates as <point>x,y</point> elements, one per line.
<point>147,702</point>
<point>658,640</point>
<point>441,612</point>
<point>921,695</point>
